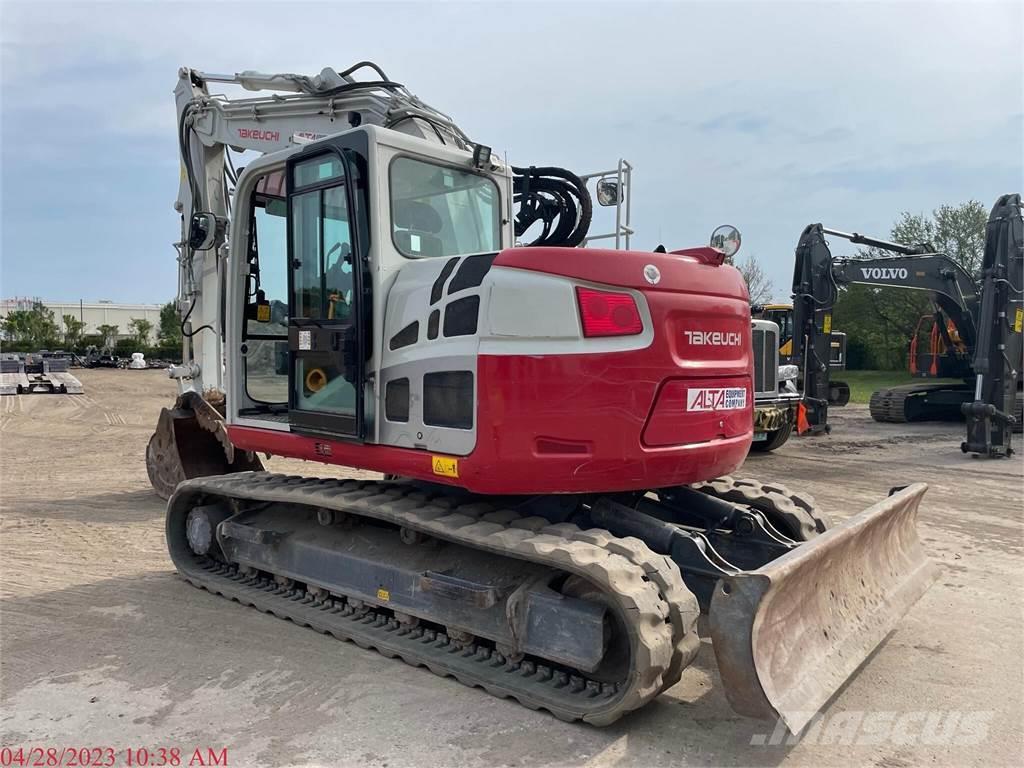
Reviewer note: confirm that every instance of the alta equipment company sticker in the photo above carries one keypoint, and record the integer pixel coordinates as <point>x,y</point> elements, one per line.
<point>715,399</point>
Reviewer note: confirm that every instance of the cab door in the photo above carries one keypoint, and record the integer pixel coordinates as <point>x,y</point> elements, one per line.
<point>324,338</point>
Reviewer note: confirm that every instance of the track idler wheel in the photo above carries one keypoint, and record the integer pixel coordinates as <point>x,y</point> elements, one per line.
<point>838,393</point>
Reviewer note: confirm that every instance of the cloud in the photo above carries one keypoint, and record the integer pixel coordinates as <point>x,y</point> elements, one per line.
<point>766,115</point>
<point>739,122</point>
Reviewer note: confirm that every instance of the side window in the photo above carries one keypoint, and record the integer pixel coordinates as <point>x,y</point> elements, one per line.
<point>337,255</point>
<point>266,314</point>
<point>272,255</point>
<point>441,211</point>
<point>322,243</point>
<point>787,325</point>
<point>306,230</point>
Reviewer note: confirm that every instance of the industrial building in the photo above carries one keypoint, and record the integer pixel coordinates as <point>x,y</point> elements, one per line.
<point>92,313</point>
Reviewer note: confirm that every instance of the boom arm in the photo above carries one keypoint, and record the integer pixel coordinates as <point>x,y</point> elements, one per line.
<point>318,106</point>
<point>312,108</point>
<point>948,283</point>
<point>818,276</point>
<point>999,352</point>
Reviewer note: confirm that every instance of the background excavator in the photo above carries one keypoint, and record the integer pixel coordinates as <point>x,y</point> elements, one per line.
<point>975,333</point>
<point>555,424</point>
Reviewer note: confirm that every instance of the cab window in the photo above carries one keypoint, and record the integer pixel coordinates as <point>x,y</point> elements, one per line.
<point>322,244</point>
<point>266,313</point>
<point>437,210</point>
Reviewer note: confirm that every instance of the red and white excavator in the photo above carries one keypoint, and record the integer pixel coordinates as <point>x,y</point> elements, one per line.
<point>556,425</point>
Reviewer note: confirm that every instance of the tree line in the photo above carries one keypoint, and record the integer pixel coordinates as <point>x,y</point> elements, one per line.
<point>879,322</point>
<point>29,330</point>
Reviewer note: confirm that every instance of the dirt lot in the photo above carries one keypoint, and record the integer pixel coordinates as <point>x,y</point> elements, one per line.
<point>103,645</point>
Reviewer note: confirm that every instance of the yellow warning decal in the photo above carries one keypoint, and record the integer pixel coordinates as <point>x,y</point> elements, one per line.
<point>383,594</point>
<point>263,313</point>
<point>827,327</point>
<point>1018,320</point>
<point>445,466</point>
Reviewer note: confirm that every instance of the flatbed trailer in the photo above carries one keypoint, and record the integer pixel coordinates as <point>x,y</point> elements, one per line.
<point>46,375</point>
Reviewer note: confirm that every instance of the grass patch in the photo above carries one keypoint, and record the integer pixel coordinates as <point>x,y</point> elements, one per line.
<point>863,383</point>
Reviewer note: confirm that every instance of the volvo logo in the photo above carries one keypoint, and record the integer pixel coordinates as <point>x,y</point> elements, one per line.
<point>713,338</point>
<point>884,273</point>
<point>652,274</point>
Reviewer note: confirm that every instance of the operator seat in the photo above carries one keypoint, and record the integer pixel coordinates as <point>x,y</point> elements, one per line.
<point>417,227</point>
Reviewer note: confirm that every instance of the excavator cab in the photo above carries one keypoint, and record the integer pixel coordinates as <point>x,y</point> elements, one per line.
<point>326,260</point>
<point>782,316</point>
<point>937,351</point>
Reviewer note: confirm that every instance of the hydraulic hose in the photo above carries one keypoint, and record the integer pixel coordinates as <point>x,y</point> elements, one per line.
<point>556,198</point>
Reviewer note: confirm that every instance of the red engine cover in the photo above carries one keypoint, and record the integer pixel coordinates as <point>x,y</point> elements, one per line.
<point>677,411</point>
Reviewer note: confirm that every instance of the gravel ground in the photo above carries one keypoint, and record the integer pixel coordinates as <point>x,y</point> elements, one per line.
<point>102,645</point>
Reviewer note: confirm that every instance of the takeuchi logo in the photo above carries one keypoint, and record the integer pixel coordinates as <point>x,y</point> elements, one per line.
<point>255,134</point>
<point>714,338</point>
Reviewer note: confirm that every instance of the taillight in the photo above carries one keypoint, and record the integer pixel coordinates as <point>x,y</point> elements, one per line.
<point>608,314</point>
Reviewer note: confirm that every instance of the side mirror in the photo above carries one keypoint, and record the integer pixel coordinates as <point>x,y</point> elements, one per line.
<point>205,231</point>
<point>726,240</point>
<point>608,192</point>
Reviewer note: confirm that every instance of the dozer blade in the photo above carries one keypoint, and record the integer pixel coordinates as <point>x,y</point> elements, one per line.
<point>788,635</point>
<point>191,441</point>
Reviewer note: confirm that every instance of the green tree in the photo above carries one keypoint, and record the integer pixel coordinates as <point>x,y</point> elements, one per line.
<point>109,334</point>
<point>955,230</point>
<point>141,328</point>
<point>17,327</point>
<point>880,321</point>
<point>169,333</point>
<point>31,328</point>
<point>73,328</point>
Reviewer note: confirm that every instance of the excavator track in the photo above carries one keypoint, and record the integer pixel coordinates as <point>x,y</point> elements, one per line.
<point>655,610</point>
<point>796,514</point>
<point>889,405</point>
<point>918,402</point>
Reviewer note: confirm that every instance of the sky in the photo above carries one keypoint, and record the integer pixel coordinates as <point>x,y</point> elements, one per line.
<point>767,116</point>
